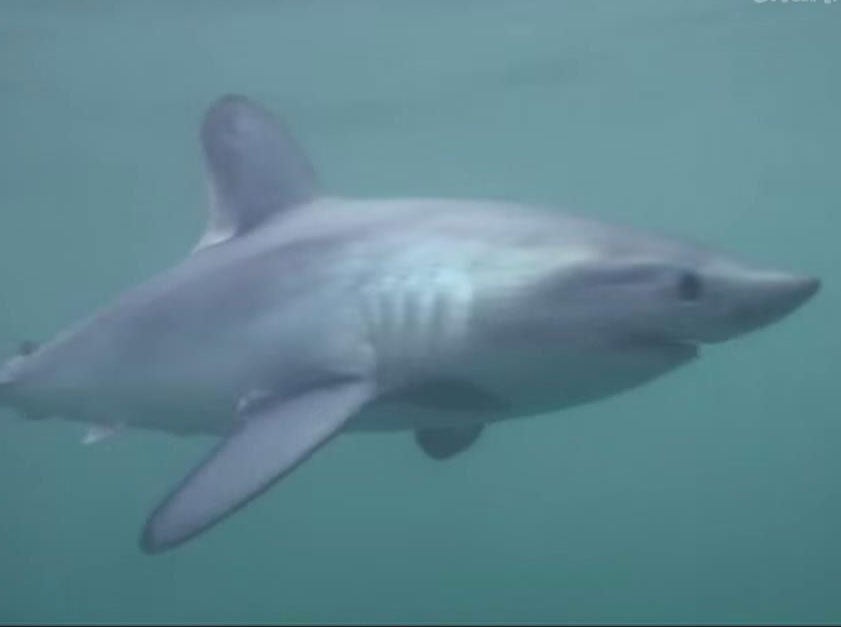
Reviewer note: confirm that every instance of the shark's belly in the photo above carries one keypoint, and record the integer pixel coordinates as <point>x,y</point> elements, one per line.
<point>500,385</point>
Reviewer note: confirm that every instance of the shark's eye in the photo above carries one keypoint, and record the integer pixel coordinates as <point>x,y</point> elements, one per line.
<point>689,286</point>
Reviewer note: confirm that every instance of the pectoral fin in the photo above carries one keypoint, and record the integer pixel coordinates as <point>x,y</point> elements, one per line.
<point>268,443</point>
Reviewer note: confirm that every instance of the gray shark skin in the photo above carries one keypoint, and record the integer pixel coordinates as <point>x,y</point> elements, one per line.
<point>301,315</point>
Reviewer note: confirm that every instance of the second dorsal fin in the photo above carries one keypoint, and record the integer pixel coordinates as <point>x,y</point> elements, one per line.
<point>255,168</point>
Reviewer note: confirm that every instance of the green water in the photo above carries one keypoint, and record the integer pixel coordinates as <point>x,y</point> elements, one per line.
<point>711,495</point>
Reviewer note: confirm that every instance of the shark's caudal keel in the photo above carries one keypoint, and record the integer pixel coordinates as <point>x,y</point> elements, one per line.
<point>299,315</point>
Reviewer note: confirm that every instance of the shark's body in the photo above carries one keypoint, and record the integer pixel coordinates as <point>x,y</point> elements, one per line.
<point>346,287</point>
<point>300,315</point>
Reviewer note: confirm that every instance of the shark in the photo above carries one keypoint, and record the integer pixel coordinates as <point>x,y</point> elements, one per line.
<point>300,315</point>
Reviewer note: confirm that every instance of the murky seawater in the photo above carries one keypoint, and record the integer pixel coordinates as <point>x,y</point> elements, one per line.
<point>711,495</point>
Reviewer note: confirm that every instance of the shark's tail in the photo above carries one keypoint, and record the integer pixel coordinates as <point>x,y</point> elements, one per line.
<point>6,383</point>
<point>4,392</point>
<point>9,371</point>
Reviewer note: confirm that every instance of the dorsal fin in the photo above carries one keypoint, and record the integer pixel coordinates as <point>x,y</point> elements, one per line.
<point>255,168</point>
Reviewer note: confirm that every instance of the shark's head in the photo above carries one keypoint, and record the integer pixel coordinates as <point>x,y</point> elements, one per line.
<point>651,290</point>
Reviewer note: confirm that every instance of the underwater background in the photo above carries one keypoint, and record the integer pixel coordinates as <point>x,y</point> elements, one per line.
<point>711,495</point>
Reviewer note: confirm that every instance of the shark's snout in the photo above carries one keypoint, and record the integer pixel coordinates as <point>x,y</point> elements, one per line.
<point>775,296</point>
<point>757,299</point>
<point>802,289</point>
<point>797,290</point>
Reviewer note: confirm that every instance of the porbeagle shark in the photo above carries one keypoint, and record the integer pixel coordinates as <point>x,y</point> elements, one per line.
<point>300,315</point>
